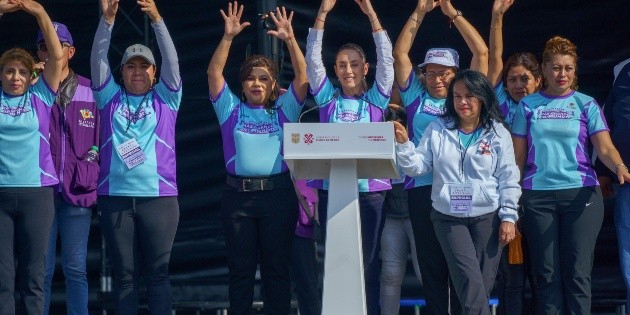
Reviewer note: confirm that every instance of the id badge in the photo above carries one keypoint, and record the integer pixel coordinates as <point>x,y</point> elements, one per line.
<point>131,153</point>
<point>461,198</point>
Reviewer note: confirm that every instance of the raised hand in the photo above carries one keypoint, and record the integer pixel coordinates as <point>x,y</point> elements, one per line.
<point>109,9</point>
<point>366,6</point>
<point>7,6</point>
<point>427,5</point>
<point>29,6</point>
<point>327,5</point>
<point>501,6</point>
<point>233,25</point>
<point>447,8</point>
<point>283,30</point>
<point>148,7</point>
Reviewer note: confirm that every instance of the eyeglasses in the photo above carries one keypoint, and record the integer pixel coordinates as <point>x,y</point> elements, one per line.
<point>432,75</point>
<point>42,46</point>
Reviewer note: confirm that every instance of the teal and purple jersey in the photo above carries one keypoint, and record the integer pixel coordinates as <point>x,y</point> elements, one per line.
<point>422,109</point>
<point>335,107</point>
<point>25,159</point>
<point>150,119</point>
<point>557,130</point>
<point>252,135</point>
<point>339,108</point>
<point>506,104</point>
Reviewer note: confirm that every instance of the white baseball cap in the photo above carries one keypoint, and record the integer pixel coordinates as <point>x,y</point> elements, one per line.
<point>441,56</point>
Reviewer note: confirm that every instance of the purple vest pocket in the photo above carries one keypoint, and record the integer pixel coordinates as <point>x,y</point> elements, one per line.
<point>86,175</point>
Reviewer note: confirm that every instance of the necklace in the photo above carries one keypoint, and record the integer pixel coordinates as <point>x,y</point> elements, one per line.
<point>136,112</point>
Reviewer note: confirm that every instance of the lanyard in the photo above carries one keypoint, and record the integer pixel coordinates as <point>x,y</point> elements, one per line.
<point>464,149</point>
<point>21,103</point>
<point>135,114</point>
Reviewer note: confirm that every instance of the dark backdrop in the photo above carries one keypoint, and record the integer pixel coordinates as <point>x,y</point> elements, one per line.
<point>599,29</point>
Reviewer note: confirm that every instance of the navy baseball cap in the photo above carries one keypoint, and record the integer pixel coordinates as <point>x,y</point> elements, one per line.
<point>62,32</point>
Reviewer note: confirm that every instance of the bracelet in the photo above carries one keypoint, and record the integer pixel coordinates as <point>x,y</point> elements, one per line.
<point>373,20</point>
<point>617,166</point>
<point>413,19</point>
<point>457,14</point>
<point>318,19</point>
<point>378,29</point>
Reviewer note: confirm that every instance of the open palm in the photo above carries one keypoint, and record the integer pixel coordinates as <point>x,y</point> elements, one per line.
<point>283,29</point>
<point>233,25</point>
<point>109,9</point>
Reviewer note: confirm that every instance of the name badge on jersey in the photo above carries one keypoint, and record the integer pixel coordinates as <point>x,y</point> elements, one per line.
<point>131,153</point>
<point>461,198</point>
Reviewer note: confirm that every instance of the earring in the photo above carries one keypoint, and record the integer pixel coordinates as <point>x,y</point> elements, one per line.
<point>243,96</point>
<point>273,95</point>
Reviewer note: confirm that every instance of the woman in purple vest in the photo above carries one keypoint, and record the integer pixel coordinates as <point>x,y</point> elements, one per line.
<point>73,133</point>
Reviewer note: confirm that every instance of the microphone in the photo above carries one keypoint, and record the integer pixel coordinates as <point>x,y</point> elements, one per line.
<point>317,106</point>
<point>357,96</point>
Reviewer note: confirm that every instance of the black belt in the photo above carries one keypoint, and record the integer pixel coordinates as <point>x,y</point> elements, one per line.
<point>247,184</point>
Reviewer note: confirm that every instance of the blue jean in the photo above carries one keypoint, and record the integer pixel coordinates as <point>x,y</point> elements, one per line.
<point>622,224</point>
<point>396,243</point>
<point>73,224</point>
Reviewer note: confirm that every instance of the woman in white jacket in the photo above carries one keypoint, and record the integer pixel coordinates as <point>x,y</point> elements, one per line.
<point>475,185</point>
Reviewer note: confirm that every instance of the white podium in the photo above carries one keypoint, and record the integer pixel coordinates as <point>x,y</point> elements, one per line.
<point>342,153</point>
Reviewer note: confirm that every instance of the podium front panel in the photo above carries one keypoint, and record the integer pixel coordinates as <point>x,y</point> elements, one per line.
<point>309,147</point>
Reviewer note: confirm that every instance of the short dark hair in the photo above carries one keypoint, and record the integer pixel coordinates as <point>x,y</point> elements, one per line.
<point>20,55</point>
<point>524,59</point>
<point>480,87</point>
<point>264,62</point>
<point>396,114</point>
<point>257,61</point>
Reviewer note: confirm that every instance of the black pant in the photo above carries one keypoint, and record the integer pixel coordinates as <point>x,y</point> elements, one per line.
<point>260,225</point>
<point>472,251</point>
<point>26,216</point>
<point>433,268</point>
<point>561,228</point>
<point>139,231</point>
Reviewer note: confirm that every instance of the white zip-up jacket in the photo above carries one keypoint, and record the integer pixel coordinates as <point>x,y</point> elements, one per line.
<point>488,166</point>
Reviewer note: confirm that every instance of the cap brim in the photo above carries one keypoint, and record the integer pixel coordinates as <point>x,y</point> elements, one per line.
<point>136,56</point>
<point>435,63</point>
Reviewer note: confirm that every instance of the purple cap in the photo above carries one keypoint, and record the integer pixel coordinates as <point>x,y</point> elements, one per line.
<point>62,32</point>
